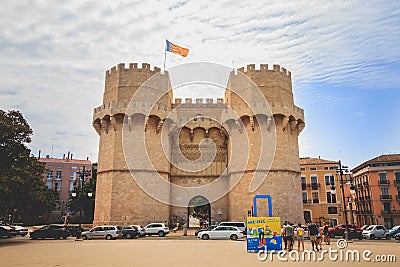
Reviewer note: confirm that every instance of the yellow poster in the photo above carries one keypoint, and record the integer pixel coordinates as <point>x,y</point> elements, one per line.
<point>264,231</point>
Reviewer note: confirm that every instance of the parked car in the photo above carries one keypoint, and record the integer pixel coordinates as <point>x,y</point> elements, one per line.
<point>140,229</point>
<point>394,230</point>
<point>159,229</point>
<point>240,225</point>
<point>221,232</point>
<point>7,231</point>
<point>107,231</point>
<point>397,236</point>
<point>50,231</point>
<point>129,232</point>
<point>208,228</point>
<point>339,230</point>
<point>22,231</point>
<point>306,234</point>
<point>376,231</point>
<point>364,227</point>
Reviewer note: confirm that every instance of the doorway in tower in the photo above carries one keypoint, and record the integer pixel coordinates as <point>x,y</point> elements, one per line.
<point>307,216</point>
<point>199,212</point>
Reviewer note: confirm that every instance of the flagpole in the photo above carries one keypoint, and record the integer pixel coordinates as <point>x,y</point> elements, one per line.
<point>165,53</point>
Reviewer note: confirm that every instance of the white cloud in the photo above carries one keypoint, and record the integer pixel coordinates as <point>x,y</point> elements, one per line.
<point>54,53</point>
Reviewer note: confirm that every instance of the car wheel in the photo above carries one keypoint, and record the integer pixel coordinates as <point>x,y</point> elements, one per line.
<point>128,236</point>
<point>205,237</point>
<point>331,235</point>
<point>84,237</point>
<point>108,237</point>
<point>64,237</point>
<point>387,237</point>
<point>234,237</point>
<point>161,234</point>
<point>58,237</point>
<point>372,237</point>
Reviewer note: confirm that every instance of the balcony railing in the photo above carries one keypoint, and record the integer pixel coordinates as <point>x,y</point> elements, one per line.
<point>386,197</point>
<point>366,183</point>
<point>397,196</point>
<point>383,182</point>
<point>397,181</point>
<point>361,198</point>
<point>315,200</point>
<point>303,186</point>
<point>386,212</point>
<point>359,185</point>
<point>305,201</point>
<point>368,198</point>
<point>313,186</point>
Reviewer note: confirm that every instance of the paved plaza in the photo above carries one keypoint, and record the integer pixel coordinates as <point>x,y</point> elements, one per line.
<point>174,250</point>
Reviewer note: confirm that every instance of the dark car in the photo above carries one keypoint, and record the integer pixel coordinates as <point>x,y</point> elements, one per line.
<point>7,231</point>
<point>341,228</point>
<point>50,231</point>
<point>129,232</point>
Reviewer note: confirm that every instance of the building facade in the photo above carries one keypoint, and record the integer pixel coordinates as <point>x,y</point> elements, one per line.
<point>62,176</point>
<point>122,200</point>
<point>378,190</point>
<point>319,179</point>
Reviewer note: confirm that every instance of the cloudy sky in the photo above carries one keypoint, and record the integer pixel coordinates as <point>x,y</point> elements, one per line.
<point>343,55</point>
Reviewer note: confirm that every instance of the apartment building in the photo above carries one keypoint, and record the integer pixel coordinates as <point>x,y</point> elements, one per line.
<point>63,175</point>
<point>378,191</point>
<point>321,191</point>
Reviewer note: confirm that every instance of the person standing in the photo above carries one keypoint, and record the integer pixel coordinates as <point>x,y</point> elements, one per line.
<point>283,232</point>
<point>313,231</point>
<point>300,237</point>
<point>289,236</point>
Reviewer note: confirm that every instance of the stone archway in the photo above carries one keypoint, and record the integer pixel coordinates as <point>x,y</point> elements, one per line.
<point>199,212</point>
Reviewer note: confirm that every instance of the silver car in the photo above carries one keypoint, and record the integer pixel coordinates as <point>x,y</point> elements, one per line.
<point>376,231</point>
<point>221,232</point>
<point>107,231</point>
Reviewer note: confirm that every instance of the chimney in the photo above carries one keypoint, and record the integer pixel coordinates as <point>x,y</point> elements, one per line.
<point>68,155</point>
<point>71,155</point>
<point>63,156</point>
<point>39,154</point>
<point>87,158</point>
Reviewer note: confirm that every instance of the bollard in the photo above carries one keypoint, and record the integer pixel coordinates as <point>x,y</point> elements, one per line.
<point>185,229</point>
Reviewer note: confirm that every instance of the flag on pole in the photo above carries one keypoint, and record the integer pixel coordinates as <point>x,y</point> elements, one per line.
<point>176,49</point>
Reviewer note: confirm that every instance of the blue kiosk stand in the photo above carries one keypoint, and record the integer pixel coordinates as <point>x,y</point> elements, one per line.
<point>263,233</point>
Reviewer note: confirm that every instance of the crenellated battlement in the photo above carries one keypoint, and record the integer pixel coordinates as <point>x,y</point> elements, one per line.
<point>251,68</point>
<point>133,67</point>
<point>191,101</point>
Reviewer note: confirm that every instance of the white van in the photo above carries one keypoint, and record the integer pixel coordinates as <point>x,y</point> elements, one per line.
<point>240,225</point>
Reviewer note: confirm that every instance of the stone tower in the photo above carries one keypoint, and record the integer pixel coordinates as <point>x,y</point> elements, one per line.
<point>121,200</point>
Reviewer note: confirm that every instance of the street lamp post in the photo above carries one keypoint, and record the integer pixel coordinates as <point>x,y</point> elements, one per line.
<point>82,174</point>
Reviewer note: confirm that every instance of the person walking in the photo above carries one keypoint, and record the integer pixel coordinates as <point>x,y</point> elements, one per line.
<point>313,231</point>
<point>325,234</point>
<point>300,237</point>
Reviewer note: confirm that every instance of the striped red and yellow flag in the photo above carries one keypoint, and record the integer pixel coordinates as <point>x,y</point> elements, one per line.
<point>176,49</point>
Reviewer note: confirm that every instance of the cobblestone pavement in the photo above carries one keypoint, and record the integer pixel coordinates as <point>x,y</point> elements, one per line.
<point>174,250</point>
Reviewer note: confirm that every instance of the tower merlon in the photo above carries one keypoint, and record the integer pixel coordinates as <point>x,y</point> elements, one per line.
<point>133,67</point>
<point>251,68</point>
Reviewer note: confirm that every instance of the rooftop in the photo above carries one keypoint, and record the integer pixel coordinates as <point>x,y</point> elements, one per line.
<point>56,160</point>
<point>316,161</point>
<point>381,159</point>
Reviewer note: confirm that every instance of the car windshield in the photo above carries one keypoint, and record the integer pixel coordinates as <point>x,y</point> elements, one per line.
<point>369,228</point>
<point>395,228</point>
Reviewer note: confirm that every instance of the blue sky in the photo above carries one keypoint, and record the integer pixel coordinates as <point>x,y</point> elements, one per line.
<point>343,55</point>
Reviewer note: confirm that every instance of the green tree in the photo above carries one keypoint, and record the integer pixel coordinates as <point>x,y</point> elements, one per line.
<point>23,193</point>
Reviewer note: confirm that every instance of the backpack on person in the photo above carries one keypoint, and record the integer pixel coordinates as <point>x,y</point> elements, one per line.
<point>300,232</point>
